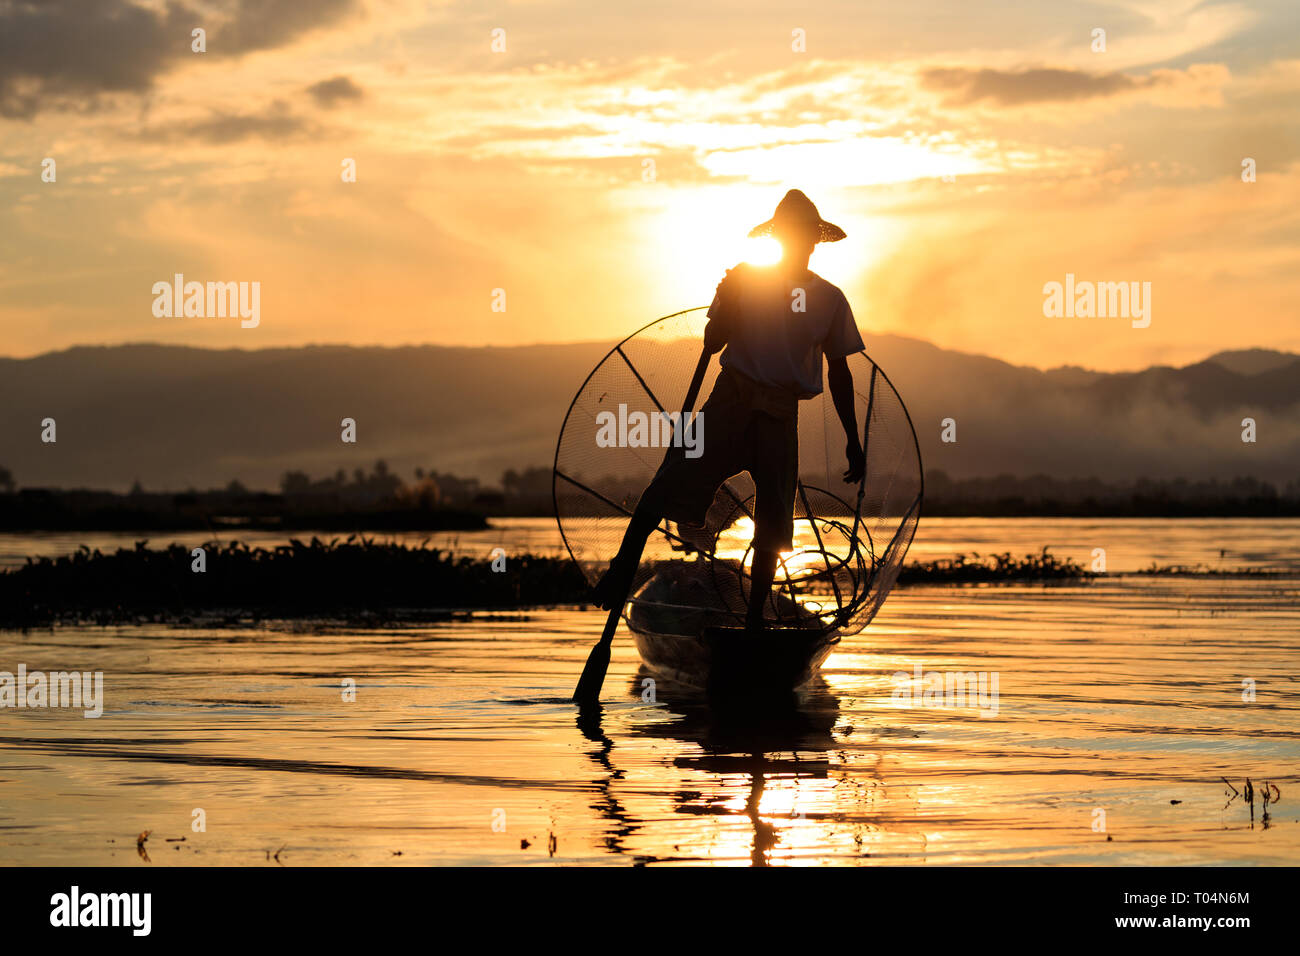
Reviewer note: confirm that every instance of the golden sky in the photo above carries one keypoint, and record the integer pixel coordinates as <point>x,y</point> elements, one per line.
<point>973,152</point>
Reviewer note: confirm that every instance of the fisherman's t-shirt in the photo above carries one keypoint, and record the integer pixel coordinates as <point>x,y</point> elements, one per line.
<point>770,340</point>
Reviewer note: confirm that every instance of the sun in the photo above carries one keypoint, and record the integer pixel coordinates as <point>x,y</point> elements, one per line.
<point>762,251</point>
<point>694,234</point>
<point>700,232</point>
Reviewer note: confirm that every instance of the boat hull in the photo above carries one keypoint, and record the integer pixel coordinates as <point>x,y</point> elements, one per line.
<point>728,660</point>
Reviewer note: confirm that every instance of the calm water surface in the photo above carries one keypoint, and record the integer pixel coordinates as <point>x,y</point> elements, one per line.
<point>1123,696</point>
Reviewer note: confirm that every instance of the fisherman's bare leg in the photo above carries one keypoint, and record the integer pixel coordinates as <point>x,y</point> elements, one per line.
<point>761,574</point>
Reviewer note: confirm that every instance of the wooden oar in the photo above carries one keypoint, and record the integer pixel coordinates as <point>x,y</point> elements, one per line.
<point>593,675</point>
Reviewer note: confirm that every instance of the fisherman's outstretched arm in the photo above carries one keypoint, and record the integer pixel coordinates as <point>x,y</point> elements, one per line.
<point>841,382</point>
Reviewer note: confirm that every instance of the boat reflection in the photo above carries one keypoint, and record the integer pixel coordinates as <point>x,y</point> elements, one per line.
<point>739,781</point>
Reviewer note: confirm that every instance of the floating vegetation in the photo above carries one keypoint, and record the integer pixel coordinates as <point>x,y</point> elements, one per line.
<point>978,569</point>
<point>358,579</point>
<point>1201,570</point>
<point>1268,792</point>
<point>363,582</point>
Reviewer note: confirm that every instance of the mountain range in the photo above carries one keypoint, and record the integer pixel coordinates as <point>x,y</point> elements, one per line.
<point>174,417</point>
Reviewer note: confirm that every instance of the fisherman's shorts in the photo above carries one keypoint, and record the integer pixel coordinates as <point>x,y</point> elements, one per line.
<point>749,427</point>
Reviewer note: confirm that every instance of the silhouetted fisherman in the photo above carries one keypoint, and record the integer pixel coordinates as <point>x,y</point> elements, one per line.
<point>773,325</point>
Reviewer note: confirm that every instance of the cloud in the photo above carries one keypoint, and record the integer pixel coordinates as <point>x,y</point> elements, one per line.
<point>250,25</point>
<point>963,86</point>
<point>62,49</point>
<point>331,92</point>
<point>221,128</point>
<point>1013,87</point>
<point>66,54</point>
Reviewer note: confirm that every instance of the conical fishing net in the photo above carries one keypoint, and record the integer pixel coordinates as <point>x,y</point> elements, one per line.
<point>849,540</point>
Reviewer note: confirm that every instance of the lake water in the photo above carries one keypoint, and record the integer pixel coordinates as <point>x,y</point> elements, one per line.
<point>1120,708</point>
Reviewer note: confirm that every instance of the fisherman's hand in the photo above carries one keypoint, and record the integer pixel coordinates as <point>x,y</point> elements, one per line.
<point>857,463</point>
<point>715,336</point>
<point>728,284</point>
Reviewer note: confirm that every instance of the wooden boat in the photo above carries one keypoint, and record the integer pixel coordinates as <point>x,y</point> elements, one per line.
<point>732,660</point>
<point>682,634</point>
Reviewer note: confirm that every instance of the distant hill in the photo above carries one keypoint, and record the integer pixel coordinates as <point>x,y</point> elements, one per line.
<point>1072,375</point>
<point>176,417</point>
<point>1252,361</point>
